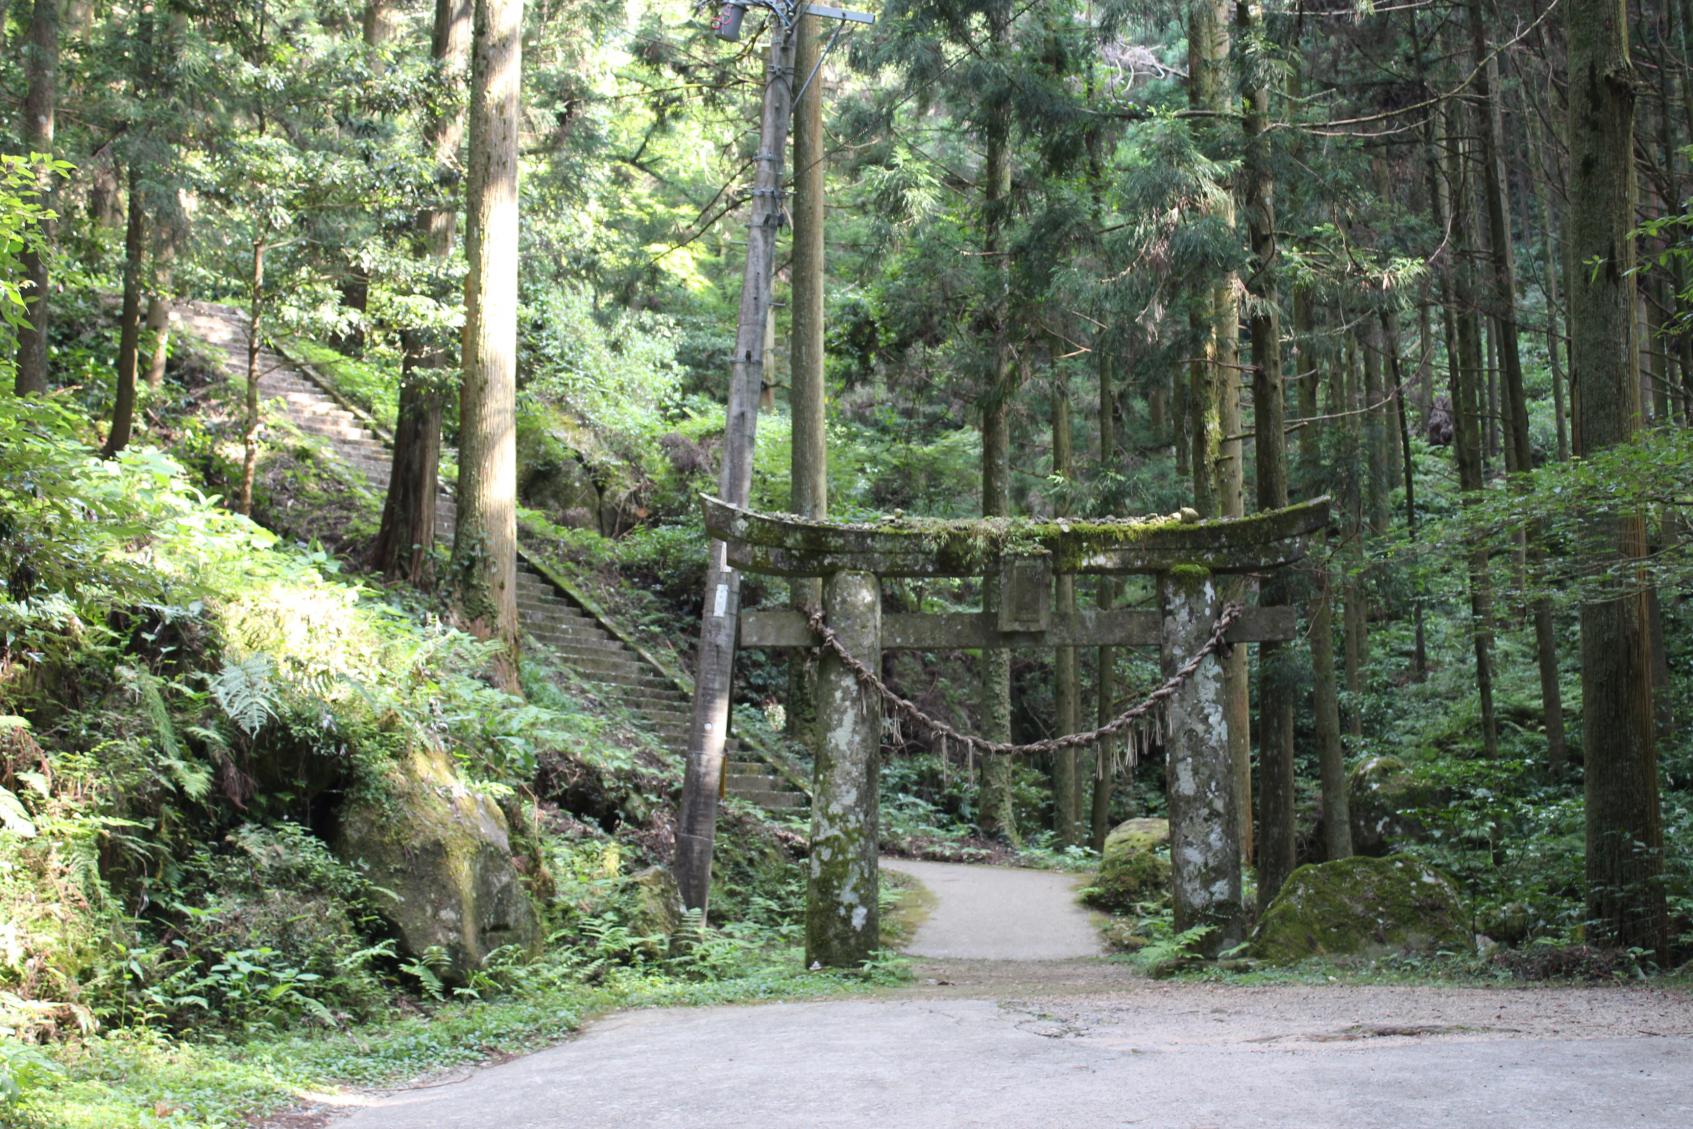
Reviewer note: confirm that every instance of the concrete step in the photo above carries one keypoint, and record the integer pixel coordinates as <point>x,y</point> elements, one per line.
<point>772,800</point>
<point>600,669</point>
<point>565,629</point>
<point>753,781</point>
<point>567,644</point>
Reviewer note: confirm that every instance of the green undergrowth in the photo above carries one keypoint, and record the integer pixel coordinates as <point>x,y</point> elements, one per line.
<point>184,698</point>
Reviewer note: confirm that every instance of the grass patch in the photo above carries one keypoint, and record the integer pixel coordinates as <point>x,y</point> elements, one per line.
<point>372,387</point>
<point>906,904</point>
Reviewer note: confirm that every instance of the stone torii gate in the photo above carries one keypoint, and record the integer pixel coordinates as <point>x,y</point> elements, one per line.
<point>1184,554</point>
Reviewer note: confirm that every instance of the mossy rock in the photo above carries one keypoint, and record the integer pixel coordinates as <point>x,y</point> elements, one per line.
<point>657,908</point>
<point>444,853</point>
<point>1384,796</point>
<point>1362,907</point>
<point>1134,868</point>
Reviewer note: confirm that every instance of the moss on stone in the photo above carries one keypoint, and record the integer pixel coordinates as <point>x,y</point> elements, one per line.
<point>444,853</point>
<point>1134,868</point>
<point>1383,798</point>
<point>1362,907</point>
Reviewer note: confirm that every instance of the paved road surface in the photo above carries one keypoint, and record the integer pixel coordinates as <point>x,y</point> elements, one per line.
<point>999,913</point>
<point>993,1043</point>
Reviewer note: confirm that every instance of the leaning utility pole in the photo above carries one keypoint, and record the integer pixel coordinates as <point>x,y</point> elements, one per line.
<point>714,671</point>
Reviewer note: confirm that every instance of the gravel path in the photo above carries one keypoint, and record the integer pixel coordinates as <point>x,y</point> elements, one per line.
<point>1027,1035</point>
<point>999,913</point>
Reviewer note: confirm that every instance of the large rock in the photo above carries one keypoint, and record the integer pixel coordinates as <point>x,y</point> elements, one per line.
<point>445,853</point>
<point>1384,797</point>
<point>1134,868</point>
<point>1362,907</point>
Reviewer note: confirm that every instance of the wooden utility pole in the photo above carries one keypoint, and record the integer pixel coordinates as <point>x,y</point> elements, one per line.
<point>714,668</point>
<point>809,466</point>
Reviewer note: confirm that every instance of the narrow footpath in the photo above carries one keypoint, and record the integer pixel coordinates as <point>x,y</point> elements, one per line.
<point>1016,1021</point>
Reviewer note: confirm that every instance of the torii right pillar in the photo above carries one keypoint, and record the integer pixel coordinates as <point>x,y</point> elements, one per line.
<point>1204,833</point>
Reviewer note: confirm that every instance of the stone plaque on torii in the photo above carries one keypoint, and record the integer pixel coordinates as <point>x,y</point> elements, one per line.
<point>1184,554</point>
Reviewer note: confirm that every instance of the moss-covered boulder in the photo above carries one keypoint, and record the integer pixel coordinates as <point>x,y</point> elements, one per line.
<point>1384,797</point>
<point>444,853</point>
<point>1362,907</point>
<point>1134,868</point>
<point>656,911</point>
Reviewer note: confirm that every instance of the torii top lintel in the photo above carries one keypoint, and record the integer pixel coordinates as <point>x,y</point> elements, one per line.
<point>786,545</point>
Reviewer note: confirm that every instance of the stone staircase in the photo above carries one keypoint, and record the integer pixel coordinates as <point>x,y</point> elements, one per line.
<point>578,639</point>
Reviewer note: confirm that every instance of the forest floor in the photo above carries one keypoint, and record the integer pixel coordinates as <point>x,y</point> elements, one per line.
<point>985,1039</point>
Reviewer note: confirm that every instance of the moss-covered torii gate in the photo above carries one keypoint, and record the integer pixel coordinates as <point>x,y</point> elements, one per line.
<point>1182,552</point>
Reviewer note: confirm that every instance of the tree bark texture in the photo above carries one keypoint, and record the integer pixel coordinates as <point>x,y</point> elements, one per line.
<point>1276,685</point>
<point>484,565</point>
<point>1503,263</point>
<point>1105,706</point>
<point>129,322</point>
<point>407,535</point>
<point>1221,489</point>
<point>1625,893</point>
<point>255,330</point>
<point>159,303</point>
<point>1325,704</point>
<point>41,68</point>
<point>1465,376</point>
<point>1067,691</point>
<point>995,813</point>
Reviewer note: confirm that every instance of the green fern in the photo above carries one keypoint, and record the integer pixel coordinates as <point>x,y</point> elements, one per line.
<point>246,692</point>
<point>192,778</point>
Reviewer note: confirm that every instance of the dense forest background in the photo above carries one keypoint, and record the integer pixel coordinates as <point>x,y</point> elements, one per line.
<point>1039,259</point>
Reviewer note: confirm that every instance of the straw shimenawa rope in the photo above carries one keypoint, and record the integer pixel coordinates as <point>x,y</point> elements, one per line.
<point>1142,723</point>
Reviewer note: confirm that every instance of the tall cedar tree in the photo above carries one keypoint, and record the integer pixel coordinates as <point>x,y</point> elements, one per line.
<point>484,564</point>
<point>1625,835</point>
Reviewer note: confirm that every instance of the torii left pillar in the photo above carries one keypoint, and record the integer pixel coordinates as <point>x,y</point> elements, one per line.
<point>841,929</point>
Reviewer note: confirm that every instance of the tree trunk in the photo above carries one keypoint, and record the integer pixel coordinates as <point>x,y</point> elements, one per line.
<point>1067,691</point>
<point>995,814</point>
<point>484,565</point>
<point>808,470</point>
<point>1624,819</point>
<point>1108,587</point>
<point>1331,753</point>
<point>1503,262</point>
<point>1464,365</point>
<point>1218,471</point>
<point>1549,280</point>
<point>1105,708</point>
<point>1373,398</point>
<point>1277,683</point>
<point>407,536</point>
<point>1402,424</point>
<point>255,327</point>
<point>41,68</point>
<point>129,324</point>
<point>159,304</point>
<point>1355,614</point>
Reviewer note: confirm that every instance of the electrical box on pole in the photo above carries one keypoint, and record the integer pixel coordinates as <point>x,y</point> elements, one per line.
<point>733,13</point>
